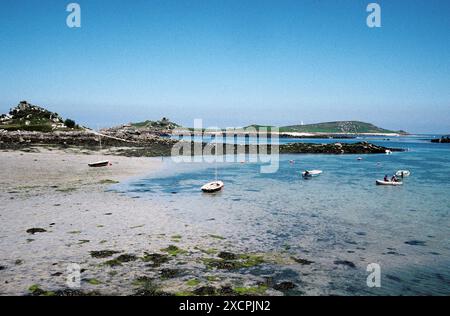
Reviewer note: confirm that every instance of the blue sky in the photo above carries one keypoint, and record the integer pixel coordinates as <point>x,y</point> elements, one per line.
<point>230,62</point>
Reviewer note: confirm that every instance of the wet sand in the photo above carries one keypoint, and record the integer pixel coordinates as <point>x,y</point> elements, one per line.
<point>73,213</point>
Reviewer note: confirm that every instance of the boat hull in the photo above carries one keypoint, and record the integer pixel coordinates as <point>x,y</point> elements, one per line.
<point>391,183</point>
<point>99,164</point>
<point>212,187</point>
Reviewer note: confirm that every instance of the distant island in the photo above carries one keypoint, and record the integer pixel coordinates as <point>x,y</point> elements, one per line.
<point>29,125</point>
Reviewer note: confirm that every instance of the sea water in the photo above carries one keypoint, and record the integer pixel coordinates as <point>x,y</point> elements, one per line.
<point>340,220</point>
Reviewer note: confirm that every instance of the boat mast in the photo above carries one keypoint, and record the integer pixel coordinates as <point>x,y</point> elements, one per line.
<point>216,158</point>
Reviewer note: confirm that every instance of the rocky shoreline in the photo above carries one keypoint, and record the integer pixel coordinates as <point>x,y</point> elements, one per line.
<point>155,146</point>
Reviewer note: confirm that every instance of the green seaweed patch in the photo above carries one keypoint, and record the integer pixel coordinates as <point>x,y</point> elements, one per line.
<point>176,237</point>
<point>252,290</point>
<point>216,237</point>
<point>212,278</point>
<point>170,273</point>
<point>173,250</point>
<point>94,282</point>
<point>103,253</point>
<point>229,261</point>
<point>193,282</point>
<point>183,293</point>
<point>121,259</point>
<point>108,181</point>
<point>126,258</point>
<point>209,251</point>
<point>66,190</point>
<point>147,287</point>
<point>35,290</point>
<point>113,263</point>
<point>156,258</point>
<point>137,226</point>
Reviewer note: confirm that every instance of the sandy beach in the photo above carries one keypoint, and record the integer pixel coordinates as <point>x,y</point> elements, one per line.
<point>55,211</point>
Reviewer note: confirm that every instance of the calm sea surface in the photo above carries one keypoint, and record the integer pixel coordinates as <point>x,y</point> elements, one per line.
<point>336,220</point>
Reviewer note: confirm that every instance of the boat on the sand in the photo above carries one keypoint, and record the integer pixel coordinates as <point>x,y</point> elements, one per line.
<point>103,163</point>
<point>214,186</point>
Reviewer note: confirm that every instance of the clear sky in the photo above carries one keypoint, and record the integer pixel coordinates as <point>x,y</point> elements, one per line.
<point>230,62</point>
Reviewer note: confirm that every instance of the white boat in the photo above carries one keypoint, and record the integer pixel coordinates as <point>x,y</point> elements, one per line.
<point>394,183</point>
<point>403,173</point>
<point>103,163</point>
<point>311,173</point>
<point>388,151</point>
<point>213,187</point>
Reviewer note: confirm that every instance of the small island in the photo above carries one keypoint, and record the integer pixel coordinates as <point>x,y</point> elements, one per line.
<point>28,125</point>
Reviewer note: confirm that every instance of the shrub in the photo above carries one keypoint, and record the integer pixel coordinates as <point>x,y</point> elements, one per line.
<point>70,123</point>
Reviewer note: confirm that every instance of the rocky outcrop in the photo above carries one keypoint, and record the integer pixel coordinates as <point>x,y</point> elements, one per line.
<point>336,148</point>
<point>443,139</point>
<point>82,138</point>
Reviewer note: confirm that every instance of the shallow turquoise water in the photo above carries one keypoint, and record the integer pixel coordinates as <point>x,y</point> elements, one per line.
<point>340,216</point>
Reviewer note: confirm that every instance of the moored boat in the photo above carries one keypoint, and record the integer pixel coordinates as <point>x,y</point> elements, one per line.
<point>403,173</point>
<point>214,186</point>
<point>311,173</point>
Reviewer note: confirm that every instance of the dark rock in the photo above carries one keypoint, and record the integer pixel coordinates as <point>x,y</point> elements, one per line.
<point>345,263</point>
<point>302,261</point>
<point>284,286</point>
<point>170,273</point>
<point>226,291</point>
<point>227,255</point>
<point>205,290</point>
<point>415,242</point>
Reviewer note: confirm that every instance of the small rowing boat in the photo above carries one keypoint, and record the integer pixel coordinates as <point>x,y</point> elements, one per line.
<point>403,173</point>
<point>311,173</point>
<point>213,187</point>
<point>393,183</point>
<point>103,163</point>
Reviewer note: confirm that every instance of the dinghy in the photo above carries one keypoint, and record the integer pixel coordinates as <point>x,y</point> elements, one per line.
<point>214,186</point>
<point>103,163</point>
<point>382,182</point>
<point>311,173</point>
<point>403,173</point>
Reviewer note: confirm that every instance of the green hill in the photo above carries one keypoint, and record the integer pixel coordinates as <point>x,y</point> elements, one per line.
<point>353,127</point>
<point>163,124</point>
<point>28,117</point>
